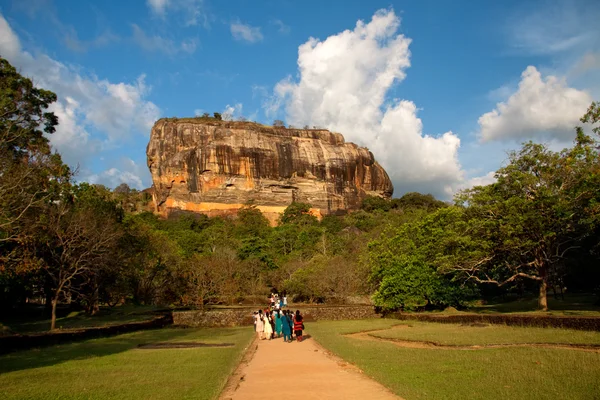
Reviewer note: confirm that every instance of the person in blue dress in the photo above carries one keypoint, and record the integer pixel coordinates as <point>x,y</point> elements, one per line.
<point>278,322</point>
<point>286,327</point>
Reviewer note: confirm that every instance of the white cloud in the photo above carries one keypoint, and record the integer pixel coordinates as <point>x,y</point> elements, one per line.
<point>545,107</point>
<point>192,12</point>
<point>244,32</point>
<point>232,112</point>
<point>342,86</point>
<point>281,27</point>
<point>483,180</point>
<point>128,172</point>
<point>86,104</point>
<point>161,44</point>
<point>554,27</point>
<point>158,7</point>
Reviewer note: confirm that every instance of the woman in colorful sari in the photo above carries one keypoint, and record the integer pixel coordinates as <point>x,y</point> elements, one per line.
<point>268,327</point>
<point>298,325</point>
<point>259,325</point>
<point>278,323</point>
<point>286,327</point>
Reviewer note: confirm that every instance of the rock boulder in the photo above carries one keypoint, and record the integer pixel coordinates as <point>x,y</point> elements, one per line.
<point>216,167</point>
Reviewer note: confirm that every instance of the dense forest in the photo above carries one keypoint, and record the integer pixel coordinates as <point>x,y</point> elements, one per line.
<point>534,230</point>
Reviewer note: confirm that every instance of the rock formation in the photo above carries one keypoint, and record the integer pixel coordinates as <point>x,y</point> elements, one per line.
<point>216,167</point>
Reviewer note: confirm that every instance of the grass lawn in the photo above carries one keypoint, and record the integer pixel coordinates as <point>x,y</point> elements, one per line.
<point>37,321</point>
<point>458,335</point>
<point>114,368</point>
<point>495,373</point>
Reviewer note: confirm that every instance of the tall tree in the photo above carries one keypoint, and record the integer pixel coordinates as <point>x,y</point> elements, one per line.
<point>81,237</point>
<point>31,176</point>
<point>543,205</point>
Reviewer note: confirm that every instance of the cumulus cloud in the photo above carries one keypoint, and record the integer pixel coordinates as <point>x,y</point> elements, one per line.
<point>246,33</point>
<point>545,107</point>
<point>483,180</point>
<point>158,43</point>
<point>93,113</point>
<point>343,83</point>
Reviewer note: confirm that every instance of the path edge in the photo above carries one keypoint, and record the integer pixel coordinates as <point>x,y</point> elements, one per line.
<point>236,378</point>
<point>355,368</point>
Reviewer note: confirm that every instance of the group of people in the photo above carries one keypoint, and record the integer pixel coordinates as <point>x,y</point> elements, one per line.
<point>278,303</point>
<point>274,323</point>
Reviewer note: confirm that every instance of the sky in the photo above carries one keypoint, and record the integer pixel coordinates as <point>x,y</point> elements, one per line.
<point>439,91</point>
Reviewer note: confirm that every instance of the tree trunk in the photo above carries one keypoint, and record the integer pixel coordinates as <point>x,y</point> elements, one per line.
<point>543,299</point>
<point>53,320</point>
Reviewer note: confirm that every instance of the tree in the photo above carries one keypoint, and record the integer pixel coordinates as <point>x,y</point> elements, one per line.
<point>80,237</point>
<point>23,114</point>
<point>278,123</point>
<point>298,213</point>
<point>418,200</point>
<point>218,116</point>
<point>541,209</point>
<point>31,176</point>
<point>408,265</point>
<point>371,203</point>
<point>123,188</point>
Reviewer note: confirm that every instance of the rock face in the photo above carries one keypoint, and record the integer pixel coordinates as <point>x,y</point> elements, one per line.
<point>216,167</point>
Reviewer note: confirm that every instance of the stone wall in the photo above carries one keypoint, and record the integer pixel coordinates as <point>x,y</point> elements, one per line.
<point>220,317</point>
<point>23,342</point>
<point>542,321</point>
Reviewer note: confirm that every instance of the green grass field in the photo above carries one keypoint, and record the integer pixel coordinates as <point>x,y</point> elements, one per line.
<point>494,373</point>
<point>459,335</point>
<point>115,368</point>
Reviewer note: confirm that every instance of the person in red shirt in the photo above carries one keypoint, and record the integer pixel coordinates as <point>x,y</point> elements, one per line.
<point>298,325</point>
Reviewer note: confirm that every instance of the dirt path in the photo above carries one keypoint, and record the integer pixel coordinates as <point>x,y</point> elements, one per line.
<point>300,371</point>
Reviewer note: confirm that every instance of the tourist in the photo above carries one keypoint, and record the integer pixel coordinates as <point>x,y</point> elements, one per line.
<point>272,322</point>
<point>278,323</point>
<point>298,325</point>
<point>286,327</point>
<point>259,325</point>
<point>284,300</point>
<point>268,327</point>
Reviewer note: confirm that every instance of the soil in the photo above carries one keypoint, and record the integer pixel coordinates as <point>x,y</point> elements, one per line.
<point>299,370</point>
<point>182,345</point>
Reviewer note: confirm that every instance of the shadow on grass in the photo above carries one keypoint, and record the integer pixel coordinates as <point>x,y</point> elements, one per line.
<point>36,358</point>
<point>573,304</point>
<point>31,319</point>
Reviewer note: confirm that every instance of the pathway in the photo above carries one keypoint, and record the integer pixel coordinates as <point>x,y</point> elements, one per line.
<point>300,371</point>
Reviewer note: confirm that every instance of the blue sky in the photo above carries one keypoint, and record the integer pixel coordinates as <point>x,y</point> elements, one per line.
<point>438,90</point>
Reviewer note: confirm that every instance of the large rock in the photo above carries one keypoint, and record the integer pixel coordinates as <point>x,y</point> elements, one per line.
<point>216,167</point>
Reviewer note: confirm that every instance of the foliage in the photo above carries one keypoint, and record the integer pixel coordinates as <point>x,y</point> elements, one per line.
<point>543,207</point>
<point>278,123</point>
<point>408,265</point>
